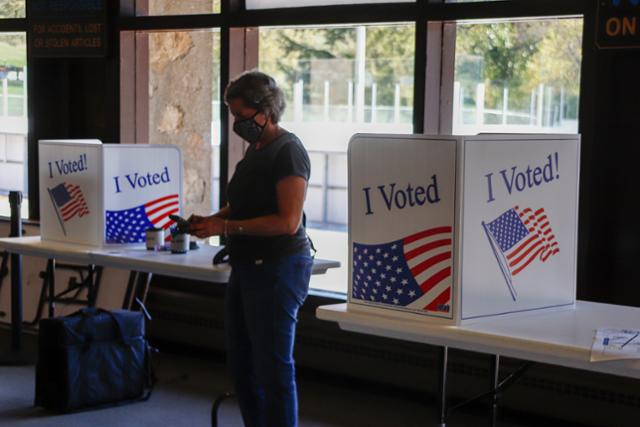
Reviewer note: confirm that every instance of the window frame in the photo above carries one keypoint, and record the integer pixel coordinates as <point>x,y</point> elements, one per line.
<point>434,22</point>
<point>430,90</point>
<point>233,15</point>
<point>434,59</point>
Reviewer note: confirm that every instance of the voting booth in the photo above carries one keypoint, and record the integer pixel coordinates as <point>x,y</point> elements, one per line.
<point>461,228</point>
<point>100,195</point>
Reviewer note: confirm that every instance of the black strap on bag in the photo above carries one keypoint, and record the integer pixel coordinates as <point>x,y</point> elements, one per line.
<point>150,365</point>
<point>152,379</point>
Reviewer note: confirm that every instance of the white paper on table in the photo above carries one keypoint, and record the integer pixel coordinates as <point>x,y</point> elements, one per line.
<point>615,344</point>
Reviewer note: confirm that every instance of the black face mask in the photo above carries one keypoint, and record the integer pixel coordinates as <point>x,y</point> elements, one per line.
<point>248,129</point>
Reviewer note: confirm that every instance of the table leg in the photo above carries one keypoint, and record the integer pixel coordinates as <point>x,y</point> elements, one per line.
<point>96,283</point>
<point>16,355</point>
<point>494,378</point>
<point>51,285</point>
<point>4,272</point>
<point>142,288</point>
<point>442,385</point>
<point>137,289</point>
<point>133,277</point>
<point>496,387</point>
<point>16,302</point>
<point>91,292</point>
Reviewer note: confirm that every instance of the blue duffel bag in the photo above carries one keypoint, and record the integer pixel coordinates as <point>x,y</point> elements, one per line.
<point>92,358</point>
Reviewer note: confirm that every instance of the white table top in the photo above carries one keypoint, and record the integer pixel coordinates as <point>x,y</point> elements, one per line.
<point>560,337</point>
<point>196,264</point>
<point>33,246</point>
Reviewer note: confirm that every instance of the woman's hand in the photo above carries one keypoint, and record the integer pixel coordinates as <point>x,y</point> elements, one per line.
<point>195,219</point>
<point>203,227</point>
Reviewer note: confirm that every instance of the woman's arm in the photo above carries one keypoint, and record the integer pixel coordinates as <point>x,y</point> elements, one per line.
<point>222,213</point>
<point>290,192</point>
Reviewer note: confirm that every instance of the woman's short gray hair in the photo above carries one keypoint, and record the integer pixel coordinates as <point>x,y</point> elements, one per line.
<point>257,90</point>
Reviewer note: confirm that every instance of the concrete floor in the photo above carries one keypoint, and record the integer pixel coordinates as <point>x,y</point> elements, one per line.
<point>190,379</point>
<point>187,387</point>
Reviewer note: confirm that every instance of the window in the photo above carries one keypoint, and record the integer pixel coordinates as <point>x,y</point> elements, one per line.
<point>518,76</point>
<point>339,81</point>
<point>13,118</point>
<point>173,7</point>
<point>178,101</point>
<point>270,4</point>
<point>12,9</point>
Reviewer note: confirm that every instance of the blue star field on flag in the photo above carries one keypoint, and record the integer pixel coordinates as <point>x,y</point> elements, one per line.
<point>127,226</point>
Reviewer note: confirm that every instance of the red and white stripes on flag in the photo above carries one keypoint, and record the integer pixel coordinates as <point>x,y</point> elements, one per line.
<point>540,244</point>
<point>429,257</point>
<point>158,210</point>
<point>77,205</point>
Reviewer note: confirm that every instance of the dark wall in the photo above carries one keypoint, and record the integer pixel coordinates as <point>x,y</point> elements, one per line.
<point>609,247</point>
<point>613,173</point>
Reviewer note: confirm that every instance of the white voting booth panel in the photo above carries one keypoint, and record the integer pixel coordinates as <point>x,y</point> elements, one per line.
<point>402,199</point>
<point>142,187</point>
<point>462,228</point>
<point>519,223</point>
<point>70,191</point>
<point>100,195</point>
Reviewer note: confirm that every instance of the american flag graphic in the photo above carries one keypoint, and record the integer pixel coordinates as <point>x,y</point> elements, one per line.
<point>130,225</point>
<point>68,201</point>
<point>518,237</point>
<point>414,272</point>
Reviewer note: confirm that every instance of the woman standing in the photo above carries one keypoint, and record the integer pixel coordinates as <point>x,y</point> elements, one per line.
<point>268,249</point>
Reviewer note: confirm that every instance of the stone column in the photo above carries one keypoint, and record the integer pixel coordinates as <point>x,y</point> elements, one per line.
<point>180,97</point>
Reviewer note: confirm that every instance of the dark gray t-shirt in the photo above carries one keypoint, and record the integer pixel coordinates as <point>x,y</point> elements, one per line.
<point>252,193</point>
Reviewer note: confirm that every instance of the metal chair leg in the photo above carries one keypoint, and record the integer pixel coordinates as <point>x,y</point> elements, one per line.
<point>494,374</point>
<point>442,386</point>
<point>51,284</point>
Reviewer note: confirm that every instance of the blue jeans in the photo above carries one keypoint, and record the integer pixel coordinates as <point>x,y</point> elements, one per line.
<point>261,308</point>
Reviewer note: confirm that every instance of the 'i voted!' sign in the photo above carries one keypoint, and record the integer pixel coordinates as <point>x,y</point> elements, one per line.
<point>70,190</point>
<point>519,224</point>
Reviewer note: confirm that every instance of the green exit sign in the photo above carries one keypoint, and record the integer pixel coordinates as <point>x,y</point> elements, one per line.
<point>618,24</point>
